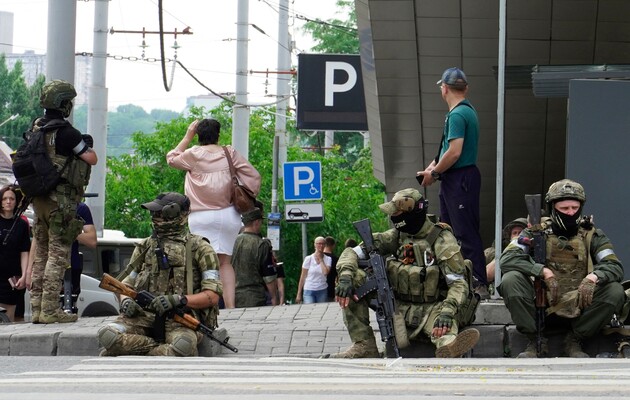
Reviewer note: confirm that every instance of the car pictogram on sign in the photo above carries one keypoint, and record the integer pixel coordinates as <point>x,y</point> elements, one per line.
<point>297,213</point>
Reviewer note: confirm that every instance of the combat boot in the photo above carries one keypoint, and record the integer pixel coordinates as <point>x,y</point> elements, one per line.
<point>463,342</point>
<point>56,316</point>
<point>35,315</point>
<point>360,349</point>
<point>573,347</point>
<point>530,350</point>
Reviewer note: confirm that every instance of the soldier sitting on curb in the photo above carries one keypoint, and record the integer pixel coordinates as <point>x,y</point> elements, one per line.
<point>419,250</point>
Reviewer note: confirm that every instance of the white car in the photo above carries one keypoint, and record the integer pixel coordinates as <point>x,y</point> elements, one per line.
<point>92,302</point>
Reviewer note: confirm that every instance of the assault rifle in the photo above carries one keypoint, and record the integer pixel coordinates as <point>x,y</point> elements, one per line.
<point>144,298</point>
<point>383,304</point>
<point>533,203</point>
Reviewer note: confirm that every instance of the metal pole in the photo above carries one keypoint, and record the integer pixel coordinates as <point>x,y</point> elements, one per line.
<point>97,113</point>
<point>240,120</point>
<point>498,223</point>
<point>304,241</point>
<point>62,16</point>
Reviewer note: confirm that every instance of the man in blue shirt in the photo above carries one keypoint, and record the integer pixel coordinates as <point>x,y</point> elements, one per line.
<point>455,166</point>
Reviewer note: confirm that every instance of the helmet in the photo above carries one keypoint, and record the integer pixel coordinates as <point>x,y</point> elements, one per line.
<point>54,93</point>
<point>565,189</point>
<point>522,222</point>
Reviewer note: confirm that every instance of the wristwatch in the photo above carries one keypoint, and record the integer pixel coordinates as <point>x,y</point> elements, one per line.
<point>436,175</point>
<point>183,301</point>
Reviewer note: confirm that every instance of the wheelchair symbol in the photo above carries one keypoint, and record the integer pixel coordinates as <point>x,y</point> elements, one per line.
<point>313,190</point>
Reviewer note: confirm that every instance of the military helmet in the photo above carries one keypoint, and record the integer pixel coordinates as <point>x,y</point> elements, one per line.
<point>565,189</point>
<point>55,92</point>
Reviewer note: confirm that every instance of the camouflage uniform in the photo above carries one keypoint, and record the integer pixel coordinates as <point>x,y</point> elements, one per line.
<point>134,335</point>
<point>570,259</point>
<point>427,278</point>
<point>56,223</point>
<point>253,267</point>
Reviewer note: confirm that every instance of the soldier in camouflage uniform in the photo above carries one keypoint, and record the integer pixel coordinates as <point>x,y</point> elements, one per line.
<point>582,273</point>
<point>428,275</point>
<point>253,264</point>
<point>56,222</point>
<point>187,277</point>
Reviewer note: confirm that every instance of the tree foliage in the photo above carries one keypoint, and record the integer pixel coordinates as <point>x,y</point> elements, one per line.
<point>17,98</point>
<point>336,36</point>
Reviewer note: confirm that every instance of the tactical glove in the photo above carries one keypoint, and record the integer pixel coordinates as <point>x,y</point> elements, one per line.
<point>443,321</point>
<point>88,139</point>
<point>344,286</point>
<point>129,308</point>
<point>585,293</point>
<point>552,290</point>
<point>164,303</point>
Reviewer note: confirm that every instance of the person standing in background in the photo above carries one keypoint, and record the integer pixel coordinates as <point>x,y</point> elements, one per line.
<point>14,245</point>
<point>455,166</point>
<point>329,250</point>
<point>312,287</point>
<point>208,185</point>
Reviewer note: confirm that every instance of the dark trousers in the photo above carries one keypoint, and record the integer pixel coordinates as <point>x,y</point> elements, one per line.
<point>459,207</point>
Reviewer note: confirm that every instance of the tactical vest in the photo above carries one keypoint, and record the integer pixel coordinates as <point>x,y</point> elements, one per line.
<point>413,271</point>
<point>76,172</point>
<point>568,259</point>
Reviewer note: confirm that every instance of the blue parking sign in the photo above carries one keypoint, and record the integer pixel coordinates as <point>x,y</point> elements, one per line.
<point>302,180</point>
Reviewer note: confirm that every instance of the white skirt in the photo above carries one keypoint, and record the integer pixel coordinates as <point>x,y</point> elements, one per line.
<point>220,227</point>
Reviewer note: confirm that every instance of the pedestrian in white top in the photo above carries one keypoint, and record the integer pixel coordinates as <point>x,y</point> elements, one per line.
<point>312,287</point>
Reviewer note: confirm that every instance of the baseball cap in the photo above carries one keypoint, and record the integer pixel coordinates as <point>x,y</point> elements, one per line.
<point>454,77</point>
<point>404,200</point>
<point>252,215</point>
<point>165,199</point>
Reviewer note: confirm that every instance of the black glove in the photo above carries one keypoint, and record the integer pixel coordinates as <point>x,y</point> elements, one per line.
<point>129,308</point>
<point>164,303</point>
<point>344,286</point>
<point>88,139</point>
<point>443,321</point>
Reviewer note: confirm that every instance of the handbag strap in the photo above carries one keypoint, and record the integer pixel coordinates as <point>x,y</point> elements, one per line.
<point>229,159</point>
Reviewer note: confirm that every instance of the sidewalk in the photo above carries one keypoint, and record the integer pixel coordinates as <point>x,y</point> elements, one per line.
<point>296,330</point>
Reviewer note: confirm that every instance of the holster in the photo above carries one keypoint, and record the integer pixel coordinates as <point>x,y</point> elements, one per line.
<point>159,328</point>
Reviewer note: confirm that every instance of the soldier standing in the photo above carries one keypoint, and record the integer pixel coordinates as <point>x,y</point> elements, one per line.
<point>428,276</point>
<point>582,274</point>
<point>181,270</point>
<point>56,223</point>
<point>253,264</point>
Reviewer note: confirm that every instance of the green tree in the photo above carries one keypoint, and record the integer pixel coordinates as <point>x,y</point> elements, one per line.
<point>335,35</point>
<point>17,99</point>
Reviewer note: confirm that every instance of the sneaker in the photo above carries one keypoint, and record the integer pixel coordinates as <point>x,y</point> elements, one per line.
<point>57,316</point>
<point>573,347</point>
<point>482,291</point>
<point>464,341</point>
<point>360,349</point>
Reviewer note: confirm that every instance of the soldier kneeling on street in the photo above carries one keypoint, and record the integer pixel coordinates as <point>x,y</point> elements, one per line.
<point>182,271</point>
<point>430,279</point>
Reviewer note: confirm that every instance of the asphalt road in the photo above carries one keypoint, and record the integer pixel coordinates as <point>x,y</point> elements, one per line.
<point>283,378</point>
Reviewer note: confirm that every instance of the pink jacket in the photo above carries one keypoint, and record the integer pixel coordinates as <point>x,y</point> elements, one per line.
<point>208,181</point>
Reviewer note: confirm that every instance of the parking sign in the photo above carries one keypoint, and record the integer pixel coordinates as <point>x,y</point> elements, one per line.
<point>302,180</point>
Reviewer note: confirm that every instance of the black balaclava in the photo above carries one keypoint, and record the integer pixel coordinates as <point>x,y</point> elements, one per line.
<point>411,222</point>
<point>564,224</point>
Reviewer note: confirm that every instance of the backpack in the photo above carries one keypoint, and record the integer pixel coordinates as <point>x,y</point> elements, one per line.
<point>32,166</point>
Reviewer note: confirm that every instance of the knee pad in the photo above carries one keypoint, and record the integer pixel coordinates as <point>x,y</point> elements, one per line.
<point>183,346</point>
<point>109,335</point>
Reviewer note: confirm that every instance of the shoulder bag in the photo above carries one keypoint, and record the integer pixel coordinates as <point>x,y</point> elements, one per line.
<point>242,197</point>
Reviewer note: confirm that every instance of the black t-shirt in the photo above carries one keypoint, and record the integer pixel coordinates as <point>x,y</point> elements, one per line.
<point>18,241</point>
<point>67,138</point>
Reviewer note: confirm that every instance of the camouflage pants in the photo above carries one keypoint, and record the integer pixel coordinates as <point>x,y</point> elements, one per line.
<point>419,318</point>
<point>135,337</point>
<point>56,227</point>
<point>518,293</point>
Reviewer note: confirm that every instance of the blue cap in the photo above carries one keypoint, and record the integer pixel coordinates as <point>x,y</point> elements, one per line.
<point>454,77</point>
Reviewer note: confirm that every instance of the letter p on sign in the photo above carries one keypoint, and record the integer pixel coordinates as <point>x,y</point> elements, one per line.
<point>331,87</point>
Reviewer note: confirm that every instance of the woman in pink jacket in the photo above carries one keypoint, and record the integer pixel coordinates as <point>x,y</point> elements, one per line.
<point>208,185</point>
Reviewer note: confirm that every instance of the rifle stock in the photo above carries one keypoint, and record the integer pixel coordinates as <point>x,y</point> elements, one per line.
<point>533,203</point>
<point>144,298</point>
<point>383,304</point>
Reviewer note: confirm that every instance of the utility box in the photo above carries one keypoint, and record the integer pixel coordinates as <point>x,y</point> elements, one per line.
<point>598,155</point>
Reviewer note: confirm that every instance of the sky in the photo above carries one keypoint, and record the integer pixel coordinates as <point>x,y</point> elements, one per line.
<point>209,53</point>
